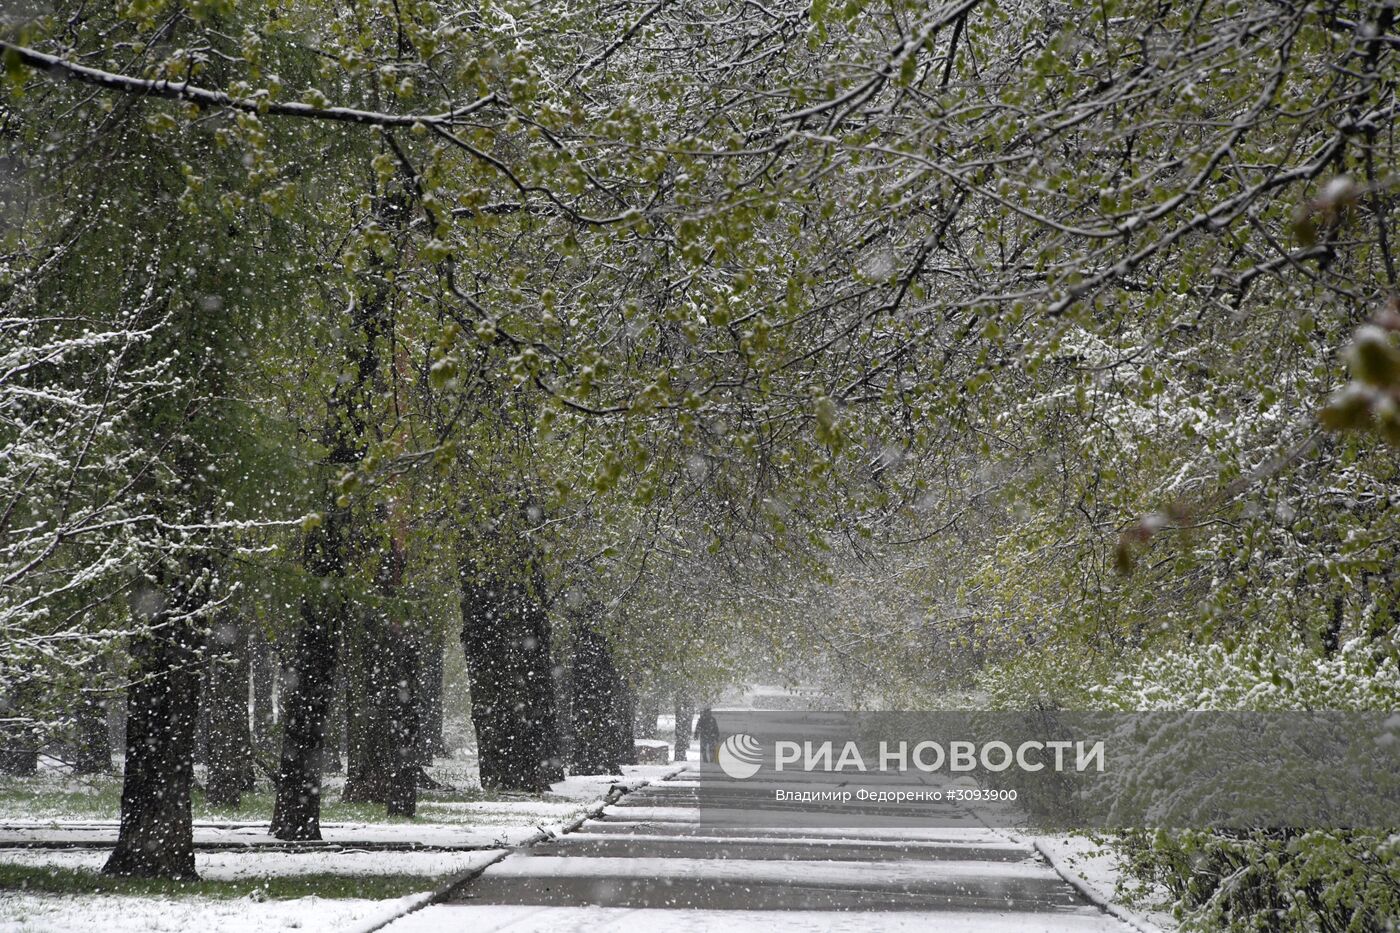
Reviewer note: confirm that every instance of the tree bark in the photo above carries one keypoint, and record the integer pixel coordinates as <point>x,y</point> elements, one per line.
<point>337,728</point>
<point>685,716</point>
<point>93,744</point>
<point>626,700</point>
<point>230,741</point>
<point>328,552</point>
<point>648,712</point>
<point>156,838</point>
<point>1332,635</point>
<point>296,814</point>
<point>383,677</point>
<point>383,760</point>
<point>505,638</point>
<point>600,731</point>
<point>403,712</point>
<point>201,722</point>
<point>116,726</point>
<point>430,703</point>
<point>263,672</point>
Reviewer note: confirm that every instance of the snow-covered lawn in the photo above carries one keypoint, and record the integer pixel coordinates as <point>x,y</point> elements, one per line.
<point>105,913</point>
<point>240,866</point>
<point>230,897</point>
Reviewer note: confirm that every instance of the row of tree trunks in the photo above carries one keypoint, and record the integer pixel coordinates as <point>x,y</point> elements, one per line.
<point>506,641</point>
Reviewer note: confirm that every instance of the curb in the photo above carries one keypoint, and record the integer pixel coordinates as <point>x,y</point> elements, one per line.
<point>1092,894</point>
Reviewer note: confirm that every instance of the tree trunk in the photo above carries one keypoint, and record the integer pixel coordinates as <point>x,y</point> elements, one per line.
<point>296,814</point>
<point>685,716</point>
<point>430,707</point>
<point>230,742</point>
<point>201,722</point>
<point>263,672</point>
<point>337,727</point>
<point>384,765</point>
<point>93,744</point>
<point>383,676</point>
<point>1332,635</point>
<point>505,638</point>
<point>402,708</point>
<point>648,712</point>
<point>626,700</point>
<point>156,837</point>
<point>116,726</point>
<point>600,732</point>
<point>361,657</point>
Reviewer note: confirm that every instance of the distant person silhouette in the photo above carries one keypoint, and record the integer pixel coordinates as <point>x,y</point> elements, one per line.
<point>708,731</point>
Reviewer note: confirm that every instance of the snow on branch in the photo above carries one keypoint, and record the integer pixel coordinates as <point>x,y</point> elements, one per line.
<point>260,104</point>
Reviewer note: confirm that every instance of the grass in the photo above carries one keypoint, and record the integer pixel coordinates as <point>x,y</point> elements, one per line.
<point>33,879</point>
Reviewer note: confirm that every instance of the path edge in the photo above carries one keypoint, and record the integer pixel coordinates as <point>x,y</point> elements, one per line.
<point>1091,893</point>
<point>542,834</point>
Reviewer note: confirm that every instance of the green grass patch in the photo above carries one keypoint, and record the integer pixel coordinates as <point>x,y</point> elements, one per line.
<point>41,880</point>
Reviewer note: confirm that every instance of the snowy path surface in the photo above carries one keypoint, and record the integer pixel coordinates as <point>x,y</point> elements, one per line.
<point>648,863</point>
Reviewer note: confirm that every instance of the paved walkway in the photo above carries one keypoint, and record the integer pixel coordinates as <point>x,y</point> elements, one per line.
<point>648,863</point>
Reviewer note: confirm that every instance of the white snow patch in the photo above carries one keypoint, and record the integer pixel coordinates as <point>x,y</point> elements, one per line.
<point>102,913</point>
<point>1094,871</point>
<point>235,866</point>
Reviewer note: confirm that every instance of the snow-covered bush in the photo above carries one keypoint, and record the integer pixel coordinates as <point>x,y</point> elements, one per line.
<point>1255,676</point>
<point>1271,880</point>
<point>1250,675</point>
<point>1277,879</point>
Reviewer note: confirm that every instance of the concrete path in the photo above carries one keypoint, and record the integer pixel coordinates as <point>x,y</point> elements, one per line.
<point>649,863</point>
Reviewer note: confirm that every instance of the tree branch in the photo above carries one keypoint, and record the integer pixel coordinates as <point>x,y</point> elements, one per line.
<point>183,90</point>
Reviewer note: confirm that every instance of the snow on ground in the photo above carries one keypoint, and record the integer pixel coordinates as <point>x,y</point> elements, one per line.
<point>103,913</point>
<point>440,823</point>
<point>593,786</point>
<point>237,866</point>
<point>1093,869</point>
<point>449,824</point>
<point>486,831</point>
